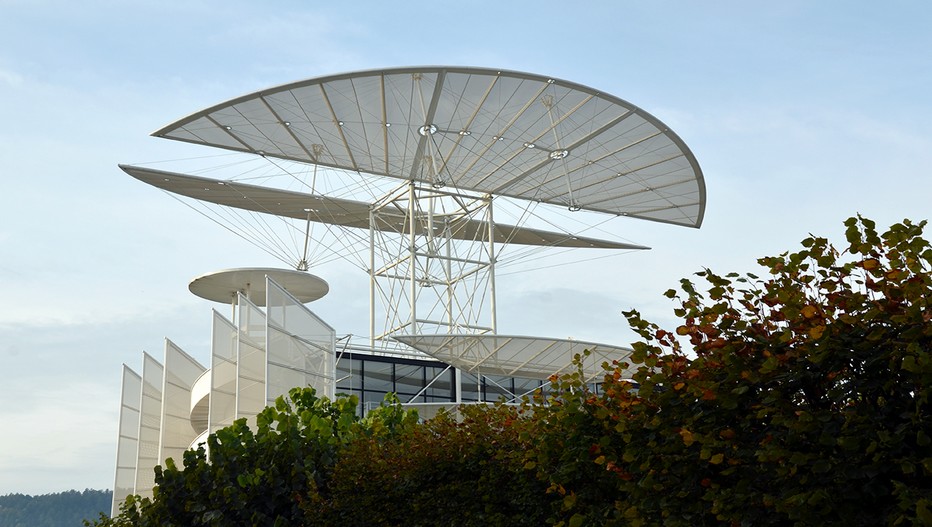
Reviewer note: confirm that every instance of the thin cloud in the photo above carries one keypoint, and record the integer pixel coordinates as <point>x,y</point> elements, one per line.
<point>11,78</point>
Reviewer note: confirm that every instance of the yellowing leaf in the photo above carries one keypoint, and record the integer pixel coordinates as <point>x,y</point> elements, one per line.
<point>717,459</point>
<point>687,436</point>
<point>809,311</point>
<point>816,332</point>
<point>569,501</point>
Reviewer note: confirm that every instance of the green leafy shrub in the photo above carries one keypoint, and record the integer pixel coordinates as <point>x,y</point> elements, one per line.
<point>272,476</point>
<point>801,399</point>
<point>468,471</point>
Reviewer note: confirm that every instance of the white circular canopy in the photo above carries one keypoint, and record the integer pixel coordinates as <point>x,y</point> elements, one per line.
<point>489,131</point>
<point>222,286</point>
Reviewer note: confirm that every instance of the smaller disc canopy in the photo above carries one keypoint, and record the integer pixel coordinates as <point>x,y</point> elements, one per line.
<point>222,286</point>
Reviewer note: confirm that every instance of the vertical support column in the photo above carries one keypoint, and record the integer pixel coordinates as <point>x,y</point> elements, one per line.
<point>434,259</point>
<point>371,277</point>
<point>412,254</point>
<point>491,223</point>
<point>448,268</point>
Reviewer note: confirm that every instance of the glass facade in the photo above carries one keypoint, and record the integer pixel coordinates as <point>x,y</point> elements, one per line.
<point>371,377</point>
<point>416,381</point>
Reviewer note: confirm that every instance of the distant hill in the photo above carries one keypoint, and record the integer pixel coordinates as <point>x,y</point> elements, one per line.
<point>61,509</point>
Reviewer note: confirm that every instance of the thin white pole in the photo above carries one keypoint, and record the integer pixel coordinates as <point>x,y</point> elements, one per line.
<point>371,277</point>
<point>492,266</point>
<point>412,250</point>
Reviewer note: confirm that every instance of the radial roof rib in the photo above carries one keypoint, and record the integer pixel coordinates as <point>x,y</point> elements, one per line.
<point>344,212</point>
<point>516,356</point>
<point>496,132</point>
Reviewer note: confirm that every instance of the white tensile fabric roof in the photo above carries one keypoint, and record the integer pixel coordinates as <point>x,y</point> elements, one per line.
<point>344,212</point>
<point>497,132</point>
<point>516,356</point>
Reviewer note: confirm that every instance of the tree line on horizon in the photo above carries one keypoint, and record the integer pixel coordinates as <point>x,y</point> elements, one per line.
<point>57,509</point>
<point>799,397</point>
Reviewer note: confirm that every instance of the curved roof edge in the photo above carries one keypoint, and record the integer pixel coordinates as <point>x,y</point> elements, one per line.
<point>698,207</point>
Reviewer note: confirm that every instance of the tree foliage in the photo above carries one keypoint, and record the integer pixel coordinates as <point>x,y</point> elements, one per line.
<point>50,510</point>
<point>272,476</point>
<point>800,397</point>
<point>467,471</point>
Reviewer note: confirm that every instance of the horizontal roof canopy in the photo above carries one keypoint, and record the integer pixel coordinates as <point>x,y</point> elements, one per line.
<point>223,286</point>
<point>344,212</point>
<point>514,356</point>
<point>498,132</point>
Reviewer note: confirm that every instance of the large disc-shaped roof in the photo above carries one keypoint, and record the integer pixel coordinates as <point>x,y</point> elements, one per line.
<point>499,132</point>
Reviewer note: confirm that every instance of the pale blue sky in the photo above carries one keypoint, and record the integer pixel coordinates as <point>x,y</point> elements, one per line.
<point>800,114</point>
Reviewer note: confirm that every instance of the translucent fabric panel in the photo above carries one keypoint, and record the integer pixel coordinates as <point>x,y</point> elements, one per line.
<point>181,370</point>
<point>295,362</point>
<point>150,419</point>
<point>251,361</point>
<point>515,356</point>
<point>127,439</point>
<point>300,346</point>
<point>222,409</point>
<point>286,365</point>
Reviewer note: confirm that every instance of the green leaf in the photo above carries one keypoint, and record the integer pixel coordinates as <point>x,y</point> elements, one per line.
<point>922,439</point>
<point>569,501</point>
<point>577,520</point>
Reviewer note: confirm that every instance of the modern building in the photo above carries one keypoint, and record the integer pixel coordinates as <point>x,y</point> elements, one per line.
<point>275,343</point>
<point>403,168</point>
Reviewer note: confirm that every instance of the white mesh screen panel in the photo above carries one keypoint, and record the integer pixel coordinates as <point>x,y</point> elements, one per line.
<point>251,361</point>
<point>223,374</point>
<point>128,438</point>
<point>150,418</point>
<point>180,373</point>
<point>300,346</point>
